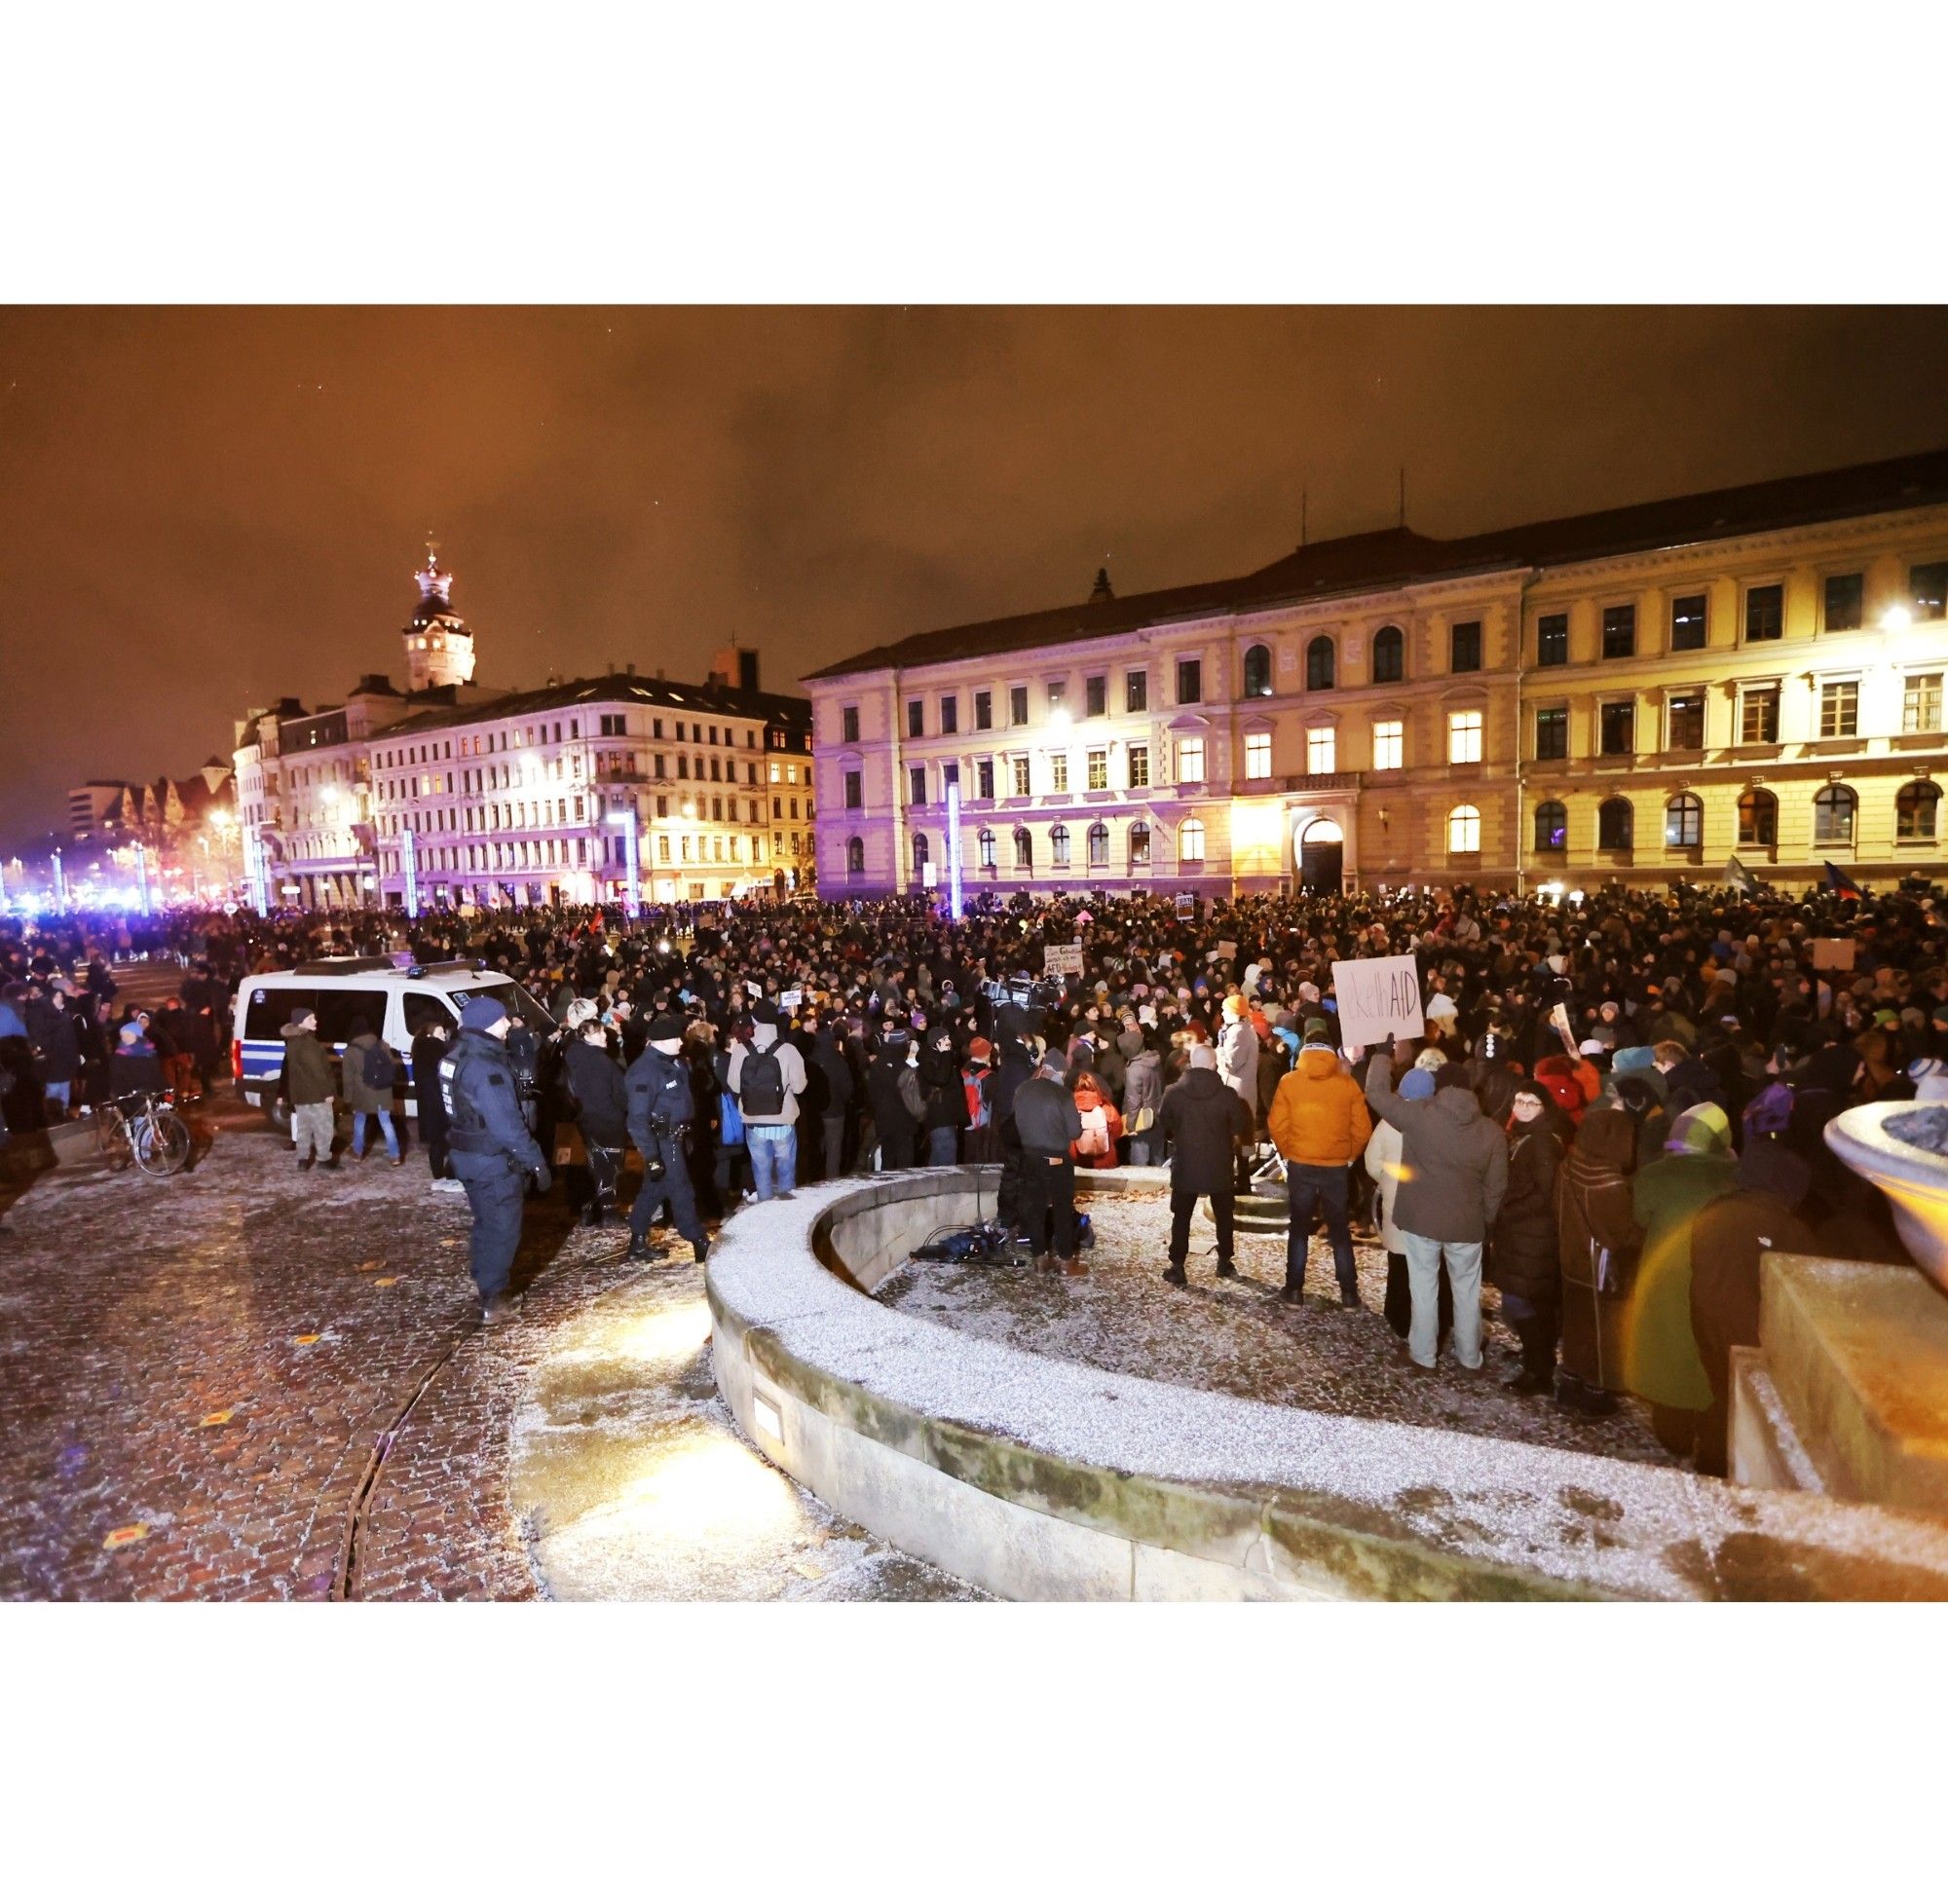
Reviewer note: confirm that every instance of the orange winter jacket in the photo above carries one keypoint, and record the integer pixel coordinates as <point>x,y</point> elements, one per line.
<point>1320,1115</point>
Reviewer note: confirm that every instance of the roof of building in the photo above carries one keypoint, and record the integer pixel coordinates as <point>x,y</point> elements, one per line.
<point>785,710</point>
<point>1391,558</point>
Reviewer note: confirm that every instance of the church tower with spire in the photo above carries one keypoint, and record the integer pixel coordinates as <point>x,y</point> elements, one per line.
<point>440,644</point>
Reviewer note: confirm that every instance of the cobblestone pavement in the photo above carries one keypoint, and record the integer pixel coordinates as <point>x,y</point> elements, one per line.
<point>248,1383</point>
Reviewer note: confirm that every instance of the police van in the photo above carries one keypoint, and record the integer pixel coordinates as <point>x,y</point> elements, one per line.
<point>395,1000</point>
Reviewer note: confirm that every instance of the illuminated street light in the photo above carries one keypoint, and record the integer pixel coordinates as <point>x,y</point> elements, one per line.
<point>1896,618</point>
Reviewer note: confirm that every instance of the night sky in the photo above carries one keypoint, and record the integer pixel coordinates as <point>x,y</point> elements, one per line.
<point>201,511</point>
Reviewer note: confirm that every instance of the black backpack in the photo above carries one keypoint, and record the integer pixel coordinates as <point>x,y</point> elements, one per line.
<point>761,1085</point>
<point>377,1068</point>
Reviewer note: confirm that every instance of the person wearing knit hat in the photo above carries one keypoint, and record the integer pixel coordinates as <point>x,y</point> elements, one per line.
<point>1383,1165</point>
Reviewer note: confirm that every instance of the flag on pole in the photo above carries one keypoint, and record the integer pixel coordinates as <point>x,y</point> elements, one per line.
<point>1837,881</point>
<point>1738,879</point>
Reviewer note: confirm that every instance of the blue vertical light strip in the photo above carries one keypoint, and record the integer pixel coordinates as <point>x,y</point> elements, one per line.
<point>260,873</point>
<point>142,875</point>
<point>409,862</point>
<point>632,853</point>
<point>954,847</point>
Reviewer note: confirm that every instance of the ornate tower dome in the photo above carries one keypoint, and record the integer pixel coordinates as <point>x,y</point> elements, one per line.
<point>440,644</point>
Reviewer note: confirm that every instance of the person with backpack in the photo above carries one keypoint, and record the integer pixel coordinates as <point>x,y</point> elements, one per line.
<point>944,1096</point>
<point>1101,1125</point>
<point>892,1090</point>
<point>370,1071</point>
<point>767,1080</point>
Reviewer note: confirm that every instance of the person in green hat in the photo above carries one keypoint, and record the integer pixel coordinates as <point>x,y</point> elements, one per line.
<point>1660,1358</point>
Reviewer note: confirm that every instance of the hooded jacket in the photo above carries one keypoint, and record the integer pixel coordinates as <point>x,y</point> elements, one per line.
<point>764,1038</point>
<point>1595,1213</point>
<point>1204,1122</point>
<point>1454,1163</point>
<point>1660,1358</point>
<point>1143,1085</point>
<point>1318,1115</point>
<point>308,1078</point>
<point>1527,1253</point>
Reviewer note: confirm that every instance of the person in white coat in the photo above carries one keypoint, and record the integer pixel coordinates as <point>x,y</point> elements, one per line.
<point>1383,1165</point>
<point>1238,1066</point>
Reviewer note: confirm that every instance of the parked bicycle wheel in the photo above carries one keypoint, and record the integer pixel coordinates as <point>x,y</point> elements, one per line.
<point>162,1142</point>
<point>111,1136</point>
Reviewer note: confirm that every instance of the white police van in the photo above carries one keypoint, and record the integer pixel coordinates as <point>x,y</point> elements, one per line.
<point>397,1001</point>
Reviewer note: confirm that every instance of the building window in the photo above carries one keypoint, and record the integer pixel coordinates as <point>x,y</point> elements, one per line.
<point>1023,851</point>
<point>1056,691</point>
<point>1020,775</point>
<point>1551,733</point>
<point>949,776</point>
<point>1617,724</point>
<point>1257,757</point>
<point>983,779</point>
<point>1927,590</point>
<point>1058,844</point>
<point>1619,632</point>
<point>1685,821</point>
<point>1616,826</point>
<point>1687,623</point>
<point>1190,842</point>
<point>1551,827</point>
<point>1094,696</point>
<point>1552,641</point>
<point>1322,750</point>
<point>1389,656</point>
<point>1464,648</point>
<point>1137,692</point>
<point>1464,737</point>
<point>1139,767</point>
<point>1018,707</point>
<point>855,794</point>
<point>1684,722</point>
<point>1839,710</point>
<point>1833,810</point>
<point>984,709</point>
<point>1257,671</point>
<point>984,847</point>
<point>1057,772</point>
<point>919,855</point>
<point>916,720</point>
<point>1846,603</point>
<point>1190,683</point>
<point>1189,761</point>
<point>916,783</point>
<point>1464,830</point>
<point>1758,715</point>
<point>848,724</point>
<point>1765,612</point>
<point>1098,769</point>
<point>1140,846</point>
<point>1318,663</point>
<point>1758,818</point>
<point>1098,844</point>
<point>1914,810</point>
<point>1388,743</point>
<point>1921,705</point>
<point>950,714</point>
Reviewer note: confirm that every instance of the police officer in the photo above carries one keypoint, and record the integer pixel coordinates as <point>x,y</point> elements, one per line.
<point>662,1110</point>
<point>493,1152</point>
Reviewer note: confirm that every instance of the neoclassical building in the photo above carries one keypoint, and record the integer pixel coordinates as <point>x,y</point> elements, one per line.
<point>1637,693</point>
<point>480,797</point>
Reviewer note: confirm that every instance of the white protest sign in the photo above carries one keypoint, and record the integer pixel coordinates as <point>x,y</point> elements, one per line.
<point>1832,954</point>
<point>791,1000</point>
<point>1062,961</point>
<point>1186,905</point>
<point>1377,996</point>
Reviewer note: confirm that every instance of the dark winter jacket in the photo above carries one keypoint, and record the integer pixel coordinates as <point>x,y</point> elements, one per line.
<point>602,1104</point>
<point>51,1028</point>
<point>890,1116</point>
<point>1454,1163</point>
<point>1204,1120</point>
<point>1693,1082</point>
<point>1525,1256</point>
<point>829,1061</point>
<point>359,1094</point>
<point>1046,1118</point>
<point>308,1078</point>
<point>946,1096</point>
<point>1730,1238</point>
<point>428,1051</point>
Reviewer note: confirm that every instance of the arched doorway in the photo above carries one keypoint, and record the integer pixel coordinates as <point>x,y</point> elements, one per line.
<point>1322,857</point>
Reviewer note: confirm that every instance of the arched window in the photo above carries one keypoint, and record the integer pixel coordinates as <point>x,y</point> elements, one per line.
<point>985,843</point>
<point>1058,844</point>
<point>855,854</point>
<point>1389,655</point>
<point>1551,827</point>
<point>1257,670</point>
<point>1191,841</point>
<point>920,855</point>
<point>1685,821</point>
<point>1023,851</point>
<point>1319,668</point>
<point>1616,826</point>
<point>1758,818</point>
<point>1833,810</point>
<point>1098,844</point>
<point>1464,830</point>
<point>1914,810</point>
<point>1140,844</point>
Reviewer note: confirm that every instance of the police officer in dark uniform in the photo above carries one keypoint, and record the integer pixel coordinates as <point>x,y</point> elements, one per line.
<point>662,1108</point>
<point>493,1152</point>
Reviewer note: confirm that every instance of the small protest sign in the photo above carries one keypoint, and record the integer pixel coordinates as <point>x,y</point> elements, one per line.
<point>1227,948</point>
<point>1378,996</point>
<point>791,1000</point>
<point>1062,963</point>
<point>1832,954</point>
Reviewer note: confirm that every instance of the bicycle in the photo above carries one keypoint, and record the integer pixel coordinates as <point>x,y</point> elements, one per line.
<point>145,1130</point>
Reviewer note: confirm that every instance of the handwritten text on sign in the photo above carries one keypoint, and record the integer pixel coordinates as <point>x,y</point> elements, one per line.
<point>1062,961</point>
<point>1376,996</point>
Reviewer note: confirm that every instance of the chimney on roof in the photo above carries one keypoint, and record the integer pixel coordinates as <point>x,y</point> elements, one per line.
<point>734,666</point>
<point>632,667</point>
<point>659,672</point>
<point>1102,592</point>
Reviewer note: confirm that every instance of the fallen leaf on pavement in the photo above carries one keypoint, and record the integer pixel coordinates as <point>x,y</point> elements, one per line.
<point>138,1530</point>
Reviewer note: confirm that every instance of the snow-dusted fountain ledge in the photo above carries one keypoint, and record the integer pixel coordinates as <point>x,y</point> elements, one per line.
<point>1044,1480</point>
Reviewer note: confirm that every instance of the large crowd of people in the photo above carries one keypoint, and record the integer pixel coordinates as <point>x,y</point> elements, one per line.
<point>1617,1103</point>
